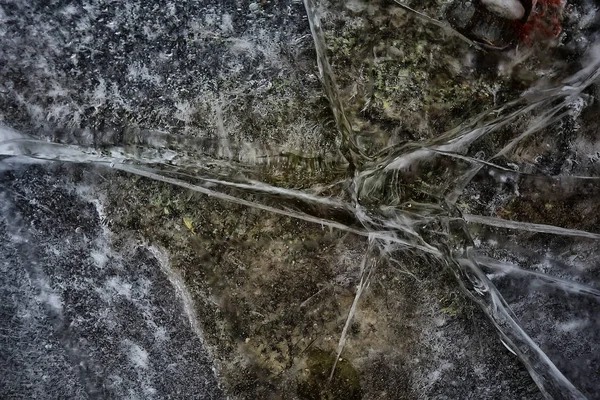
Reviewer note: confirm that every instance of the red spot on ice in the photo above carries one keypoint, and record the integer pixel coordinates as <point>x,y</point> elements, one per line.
<point>543,21</point>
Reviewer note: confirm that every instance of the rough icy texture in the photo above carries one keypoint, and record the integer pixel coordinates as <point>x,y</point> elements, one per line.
<point>81,318</point>
<point>239,77</point>
<point>268,294</point>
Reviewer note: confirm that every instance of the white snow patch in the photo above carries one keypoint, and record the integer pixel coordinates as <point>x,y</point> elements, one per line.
<point>572,325</point>
<point>211,17</point>
<point>226,23</point>
<point>51,299</point>
<point>148,390</point>
<point>99,94</point>
<point>160,334</point>
<point>58,112</point>
<point>356,5</point>
<point>138,356</point>
<point>435,375</point>
<point>69,11</point>
<point>242,45</point>
<point>100,258</point>
<point>118,287</point>
<point>185,111</point>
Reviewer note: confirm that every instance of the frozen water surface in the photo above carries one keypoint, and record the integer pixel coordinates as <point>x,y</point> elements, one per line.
<point>306,200</point>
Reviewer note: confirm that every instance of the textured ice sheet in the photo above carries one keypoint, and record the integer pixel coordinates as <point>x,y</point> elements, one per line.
<point>81,319</point>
